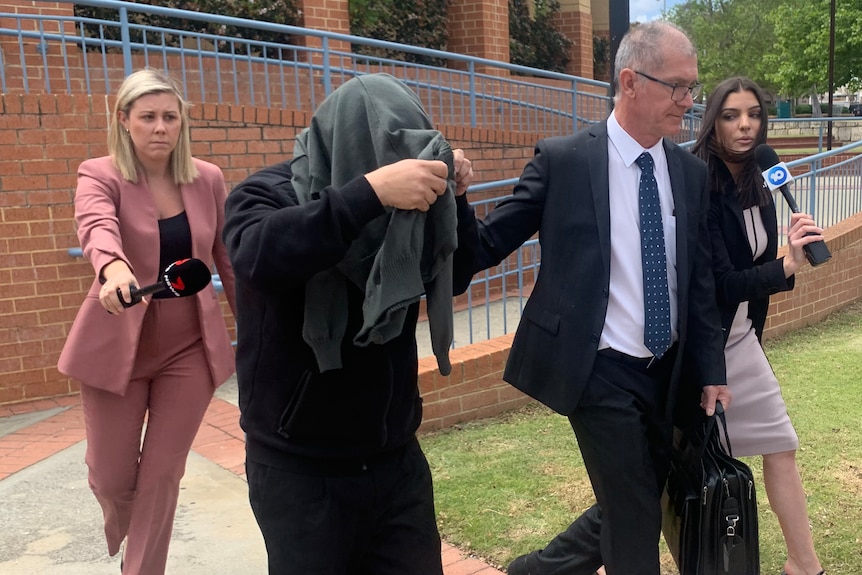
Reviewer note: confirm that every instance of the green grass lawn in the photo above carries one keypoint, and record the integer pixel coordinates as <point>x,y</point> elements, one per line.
<point>507,485</point>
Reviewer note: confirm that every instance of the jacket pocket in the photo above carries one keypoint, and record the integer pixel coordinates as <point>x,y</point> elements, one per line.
<point>548,321</point>
<point>291,412</point>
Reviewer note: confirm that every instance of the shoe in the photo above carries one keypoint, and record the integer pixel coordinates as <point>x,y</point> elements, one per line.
<point>518,566</point>
<point>820,573</point>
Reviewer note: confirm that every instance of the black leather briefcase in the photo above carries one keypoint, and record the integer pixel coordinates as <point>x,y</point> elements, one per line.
<point>709,504</point>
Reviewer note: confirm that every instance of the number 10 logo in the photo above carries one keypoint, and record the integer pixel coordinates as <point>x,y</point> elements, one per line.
<point>777,176</point>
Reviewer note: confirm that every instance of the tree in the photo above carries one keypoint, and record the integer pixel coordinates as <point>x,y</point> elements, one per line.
<point>799,62</point>
<point>781,44</point>
<point>731,37</point>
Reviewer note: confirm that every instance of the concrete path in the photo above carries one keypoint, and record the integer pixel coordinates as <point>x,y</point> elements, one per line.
<point>51,523</point>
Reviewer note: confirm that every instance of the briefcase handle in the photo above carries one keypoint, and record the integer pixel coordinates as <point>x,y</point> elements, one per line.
<point>710,430</point>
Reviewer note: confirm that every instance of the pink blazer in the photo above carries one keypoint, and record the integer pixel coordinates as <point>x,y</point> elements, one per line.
<point>117,219</point>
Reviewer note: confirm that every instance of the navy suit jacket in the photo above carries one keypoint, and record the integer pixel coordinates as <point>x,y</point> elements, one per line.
<point>563,195</point>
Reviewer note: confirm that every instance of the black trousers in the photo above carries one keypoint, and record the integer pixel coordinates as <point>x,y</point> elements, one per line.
<point>624,435</point>
<point>379,520</point>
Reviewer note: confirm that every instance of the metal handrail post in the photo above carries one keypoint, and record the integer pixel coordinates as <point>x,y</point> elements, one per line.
<point>471,68</point>
<point>574,106</point>
<point>126,39</point>
<point>327,78</point>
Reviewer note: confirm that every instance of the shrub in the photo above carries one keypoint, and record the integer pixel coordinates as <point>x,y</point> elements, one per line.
<point>414,22</point>
<point>601,57</point>
<point>275,11</point>
<point>533,41</point>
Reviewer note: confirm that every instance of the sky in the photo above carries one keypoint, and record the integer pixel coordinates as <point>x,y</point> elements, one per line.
<point>645,10</point>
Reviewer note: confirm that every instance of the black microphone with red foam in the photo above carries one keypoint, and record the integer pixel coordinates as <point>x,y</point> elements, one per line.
<point>182,278</point>
<point>776,175</point>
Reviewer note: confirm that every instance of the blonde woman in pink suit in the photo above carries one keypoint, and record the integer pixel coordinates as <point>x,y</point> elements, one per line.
<point>147,204</point>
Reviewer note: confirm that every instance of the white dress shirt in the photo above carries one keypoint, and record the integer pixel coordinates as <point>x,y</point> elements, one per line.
<point>624,323</point>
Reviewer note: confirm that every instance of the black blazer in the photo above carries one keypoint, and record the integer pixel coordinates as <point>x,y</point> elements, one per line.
<point>738,277</point>
<point>563,195</point>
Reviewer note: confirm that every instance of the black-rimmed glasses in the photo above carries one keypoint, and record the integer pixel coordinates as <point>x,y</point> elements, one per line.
<point>678,91</point>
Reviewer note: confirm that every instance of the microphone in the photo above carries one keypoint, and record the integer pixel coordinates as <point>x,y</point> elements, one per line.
<point>182,278</point>
<point>776,174</point>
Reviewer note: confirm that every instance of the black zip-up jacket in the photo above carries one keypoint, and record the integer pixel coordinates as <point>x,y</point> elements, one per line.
<point>369,406</point>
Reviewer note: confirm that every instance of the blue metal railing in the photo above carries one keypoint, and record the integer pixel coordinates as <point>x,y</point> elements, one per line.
<point>830,188</point>
<point>465,90</point>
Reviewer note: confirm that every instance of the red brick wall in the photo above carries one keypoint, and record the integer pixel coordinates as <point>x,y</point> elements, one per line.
<point>476,389</point>
<point>36,276</point>
<point>30,7</point>
<point>43,139</point>
<point>480,28</point>
<point>577,26</point>
<point>824,289</point>
<point>328,15</point>
<point>476,28</point>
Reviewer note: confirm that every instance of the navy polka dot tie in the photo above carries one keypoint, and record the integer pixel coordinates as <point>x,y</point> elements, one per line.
<point>657,334</point>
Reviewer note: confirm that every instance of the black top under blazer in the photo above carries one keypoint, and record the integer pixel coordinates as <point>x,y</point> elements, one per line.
<point>563,195</point>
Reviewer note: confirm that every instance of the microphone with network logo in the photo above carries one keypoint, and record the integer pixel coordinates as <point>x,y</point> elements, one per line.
<point>776,174</point>
<point>182,278</point>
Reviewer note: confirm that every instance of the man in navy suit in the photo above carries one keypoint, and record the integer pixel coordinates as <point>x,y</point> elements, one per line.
<point>580,347</point>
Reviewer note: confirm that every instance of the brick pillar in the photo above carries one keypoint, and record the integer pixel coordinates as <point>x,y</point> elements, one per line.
<point>59,9</point>
<point>575,21</point>
<point>480,28</point>
<point>327,15</point>
<point>30,7</point>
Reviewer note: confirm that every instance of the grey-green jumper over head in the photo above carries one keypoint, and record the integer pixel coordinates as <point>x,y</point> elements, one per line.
<point>369,122</point>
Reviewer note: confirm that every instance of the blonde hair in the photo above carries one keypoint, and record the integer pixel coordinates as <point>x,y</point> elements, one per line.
<point>142,83</point>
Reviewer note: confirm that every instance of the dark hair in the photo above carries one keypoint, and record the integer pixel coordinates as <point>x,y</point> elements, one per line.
<point>749,185</point>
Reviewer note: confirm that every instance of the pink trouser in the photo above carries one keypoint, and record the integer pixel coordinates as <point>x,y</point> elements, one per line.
<point>137,479</point>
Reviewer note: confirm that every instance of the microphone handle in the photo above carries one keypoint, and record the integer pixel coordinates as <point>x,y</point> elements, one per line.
<point>137,294</point>
<point>788,197</point>
<point>816,253</point>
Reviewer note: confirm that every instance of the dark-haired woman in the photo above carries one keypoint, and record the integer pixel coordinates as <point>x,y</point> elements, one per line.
<point>747,271</point>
